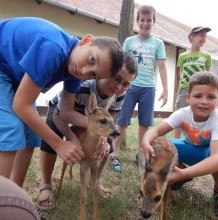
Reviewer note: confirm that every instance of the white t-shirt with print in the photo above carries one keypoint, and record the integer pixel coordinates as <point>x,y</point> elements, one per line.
<point>196,133</point>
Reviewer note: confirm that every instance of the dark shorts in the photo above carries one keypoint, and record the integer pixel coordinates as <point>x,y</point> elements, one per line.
<point>144,96</point>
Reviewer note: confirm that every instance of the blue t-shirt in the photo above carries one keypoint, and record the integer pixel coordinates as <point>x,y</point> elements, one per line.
<point>146,53</point>
<point>39,48</point>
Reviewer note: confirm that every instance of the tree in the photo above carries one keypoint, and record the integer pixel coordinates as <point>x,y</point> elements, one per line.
<point>126,29</point>
<point>126,20</point>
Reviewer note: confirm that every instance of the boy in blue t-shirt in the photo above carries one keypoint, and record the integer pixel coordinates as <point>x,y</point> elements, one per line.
<point>35,54</point>
<point>148,51</point>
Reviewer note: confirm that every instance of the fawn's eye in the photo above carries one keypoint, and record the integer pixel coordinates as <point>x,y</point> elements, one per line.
<point>157,198</point>
<point>103,121</point>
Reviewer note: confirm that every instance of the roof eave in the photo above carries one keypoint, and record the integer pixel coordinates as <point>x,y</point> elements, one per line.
<point>102,19</point>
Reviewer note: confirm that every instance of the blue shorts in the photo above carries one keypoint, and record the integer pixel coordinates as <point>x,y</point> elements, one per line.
<point>14,134</point>
<point>144,96</point>
<point>190,154</point>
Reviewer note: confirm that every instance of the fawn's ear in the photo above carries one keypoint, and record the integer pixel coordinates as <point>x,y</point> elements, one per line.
<point>165,171</point>
<point>86,39</point>
<point>91,104</point>
<point>109,102</point>
<point>141,162</point>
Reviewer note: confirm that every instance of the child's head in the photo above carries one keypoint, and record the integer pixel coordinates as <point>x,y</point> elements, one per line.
<point>121,82</point>
<point>203,95</point>
<point>96,57</point>
<point>146,18</point>
<point>200,32</point>
<point>146,10</point>
<point>203,78</point>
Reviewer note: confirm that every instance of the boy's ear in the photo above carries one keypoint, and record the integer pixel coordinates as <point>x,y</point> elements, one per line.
<point>86,39</point>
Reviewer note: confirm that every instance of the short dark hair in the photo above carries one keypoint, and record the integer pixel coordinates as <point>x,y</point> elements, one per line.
<point>203,78</point>
<point>115,52</point>
<point>130,63</point>
<point>146,9</point>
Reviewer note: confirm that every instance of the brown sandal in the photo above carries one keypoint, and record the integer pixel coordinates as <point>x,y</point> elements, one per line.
<point>103,192</point>
<point>49,198</point>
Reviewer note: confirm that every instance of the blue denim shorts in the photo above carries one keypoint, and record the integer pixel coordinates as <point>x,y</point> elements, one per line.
<point>190,154</point>
<point>14,134</point>
<point>144,96</point>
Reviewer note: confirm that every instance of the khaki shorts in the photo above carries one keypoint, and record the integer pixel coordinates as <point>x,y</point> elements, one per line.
<point>15,203</point>
<point>181,99</point>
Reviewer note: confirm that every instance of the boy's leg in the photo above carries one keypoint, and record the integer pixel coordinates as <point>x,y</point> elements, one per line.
<point>122,122</point>
<point>114,159</point>
<point>20,165</point>
<point>118,141</point>
<point>12,129</point>
<point>23,157</point>
<point>7,160</point>
<point>142,131</point>
<point>145,111</point>
<point>47,162</point>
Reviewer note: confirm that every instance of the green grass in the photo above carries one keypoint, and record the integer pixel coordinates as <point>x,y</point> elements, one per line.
<point>190,205</point>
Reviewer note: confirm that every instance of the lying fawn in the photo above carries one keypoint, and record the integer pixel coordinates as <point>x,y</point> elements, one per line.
<point>100,124</point>
<point>154,179</point>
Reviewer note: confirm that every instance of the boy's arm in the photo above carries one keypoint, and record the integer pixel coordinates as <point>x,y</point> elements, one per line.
<point>64,128</point>
<point>67,112</point>
<point>150,135</point>
<point>204,167</point>
<point>163,75</point>
<point>24,99</point>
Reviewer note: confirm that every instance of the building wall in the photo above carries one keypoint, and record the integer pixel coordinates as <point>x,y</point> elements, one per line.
<point>80,25</point>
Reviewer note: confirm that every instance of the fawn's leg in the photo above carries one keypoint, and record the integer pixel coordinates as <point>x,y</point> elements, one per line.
<point>64,166</point>
<point>83,190</point>
<point>94,174</point>
<point>101,167</point>
<point>164,203</point>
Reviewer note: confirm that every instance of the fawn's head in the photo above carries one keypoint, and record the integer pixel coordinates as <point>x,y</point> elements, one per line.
<point>154,179</point>
<point>100,121</point>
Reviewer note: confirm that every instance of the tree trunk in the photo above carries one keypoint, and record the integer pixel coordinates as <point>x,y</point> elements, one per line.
<point>126,20</point>
<point>126,30</point>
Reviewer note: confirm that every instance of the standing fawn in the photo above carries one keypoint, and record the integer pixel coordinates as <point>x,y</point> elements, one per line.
<point>154,180</point>
<point>100,124</point>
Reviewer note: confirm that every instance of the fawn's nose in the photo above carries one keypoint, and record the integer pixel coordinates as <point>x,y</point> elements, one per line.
<point>115,134</point>
<point>145,214</point>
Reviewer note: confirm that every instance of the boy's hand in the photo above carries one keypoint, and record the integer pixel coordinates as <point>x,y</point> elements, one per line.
<point>148,150</point>
<point>164,97</point>
<point>177,175</point>
<point>71,153</point>
<point>103,150</point>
